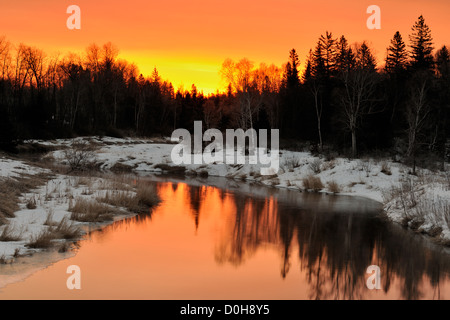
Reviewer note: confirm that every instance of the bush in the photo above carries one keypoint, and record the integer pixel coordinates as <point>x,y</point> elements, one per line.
<point>386,168</point>
<point>315,166</point>
<point>80,156</point>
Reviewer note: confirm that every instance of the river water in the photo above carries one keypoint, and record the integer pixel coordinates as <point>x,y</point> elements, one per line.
<point>221,239</point>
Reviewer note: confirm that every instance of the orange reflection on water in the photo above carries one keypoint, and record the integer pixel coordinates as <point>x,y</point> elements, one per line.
<point>206,243</point>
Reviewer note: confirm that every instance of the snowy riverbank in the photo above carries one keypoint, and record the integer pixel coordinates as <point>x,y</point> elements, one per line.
<point>419,201</point>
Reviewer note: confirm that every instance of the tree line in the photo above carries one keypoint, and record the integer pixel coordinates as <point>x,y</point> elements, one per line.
<point>343,99</point>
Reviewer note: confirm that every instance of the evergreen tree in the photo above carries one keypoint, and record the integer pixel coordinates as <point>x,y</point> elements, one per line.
<point>345,59</point>
<point>328,51</point>
<point>364,58</point>
<point>443,63</point>
<point>292,76</point>
<point>421,46</point>
<point>307,74</point>
<point>397,56</point>
<point>318,69</point>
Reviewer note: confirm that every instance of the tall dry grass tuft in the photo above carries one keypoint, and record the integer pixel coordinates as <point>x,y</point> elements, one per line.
<point>140,201</point>
<point>66,230</point>
<point>334,187</point>
<point>91,211</point>
<point>12,188</point>
<point>313,183</point>
<point>8,234</point>
<point>43,240</point>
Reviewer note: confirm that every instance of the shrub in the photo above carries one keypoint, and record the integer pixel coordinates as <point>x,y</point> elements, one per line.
<point>291,163</point>
<point>386,168</point>
<point>366,166</point>
<point>80,156</point>
<point>315,166</point>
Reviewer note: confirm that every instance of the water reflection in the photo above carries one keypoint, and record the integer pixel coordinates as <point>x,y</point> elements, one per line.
<point>220,239</point>
<point>334,247</point>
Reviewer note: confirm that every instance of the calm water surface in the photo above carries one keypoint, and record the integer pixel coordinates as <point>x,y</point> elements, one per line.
<point>228,240</point>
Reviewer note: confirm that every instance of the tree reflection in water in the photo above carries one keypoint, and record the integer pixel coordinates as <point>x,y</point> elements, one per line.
<point>335,247</point>
<point>332,241</point>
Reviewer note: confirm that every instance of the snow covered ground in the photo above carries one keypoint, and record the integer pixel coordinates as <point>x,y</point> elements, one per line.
<point>382,181</point>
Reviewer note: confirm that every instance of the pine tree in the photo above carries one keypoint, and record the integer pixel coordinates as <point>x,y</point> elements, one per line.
<point>443,62</point>
<point>307,74</point>
<point>328,53</point>
<point>364,58</point>
<point>318,69</point>
<point>397,56</point>
<point>292,77</point>
<point>345,59</point>
<point>421,46</point>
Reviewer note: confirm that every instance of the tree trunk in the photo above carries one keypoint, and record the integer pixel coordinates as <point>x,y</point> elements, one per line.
<point>354,151</point>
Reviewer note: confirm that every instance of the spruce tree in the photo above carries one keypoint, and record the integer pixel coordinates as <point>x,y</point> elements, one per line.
<point>397,56</point>
<point>421,46</point>
<point>345,59</point>
<point>293,79</point>
<point>443,63</point>
<point>364,58</point>
<point>328,53</point>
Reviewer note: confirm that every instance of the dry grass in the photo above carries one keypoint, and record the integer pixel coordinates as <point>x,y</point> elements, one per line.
<point>122,199</point>
<point>42,241</point>
<point>328,165</point>
<point>31,203</point>
<point>9,195</point>
<point>9,235</point>
<point>121,167</point>
<point>313,183</point>
<point>140,201</point>
<point>66,230</point>
<point>11,189</point>
<point>49,220</point>
<point>90,211</point>
<point>334,187</point>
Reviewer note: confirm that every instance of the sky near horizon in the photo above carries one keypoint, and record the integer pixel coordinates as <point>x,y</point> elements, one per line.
<point>187,41</point>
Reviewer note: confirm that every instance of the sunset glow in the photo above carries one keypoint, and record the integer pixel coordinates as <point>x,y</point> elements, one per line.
<point>187,41</point>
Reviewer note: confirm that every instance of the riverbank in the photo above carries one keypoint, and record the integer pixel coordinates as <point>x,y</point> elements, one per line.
<point>409,200</point>
<point>44,206</point>
<point>420,202</point>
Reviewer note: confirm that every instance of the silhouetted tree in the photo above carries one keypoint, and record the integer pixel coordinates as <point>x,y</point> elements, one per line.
<point>397,56</point>
<point>421,46</point>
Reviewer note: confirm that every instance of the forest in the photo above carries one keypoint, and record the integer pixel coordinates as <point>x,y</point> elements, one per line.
<point>343,100</point>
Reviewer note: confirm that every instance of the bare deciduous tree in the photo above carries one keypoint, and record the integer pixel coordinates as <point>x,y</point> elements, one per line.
<point>417,112</point>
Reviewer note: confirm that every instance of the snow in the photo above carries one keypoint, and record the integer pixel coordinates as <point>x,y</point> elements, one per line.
<point>362,178</point>
<point>14,168</point>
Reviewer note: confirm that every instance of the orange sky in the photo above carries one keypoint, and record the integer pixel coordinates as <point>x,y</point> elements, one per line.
<point>187,40</point>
